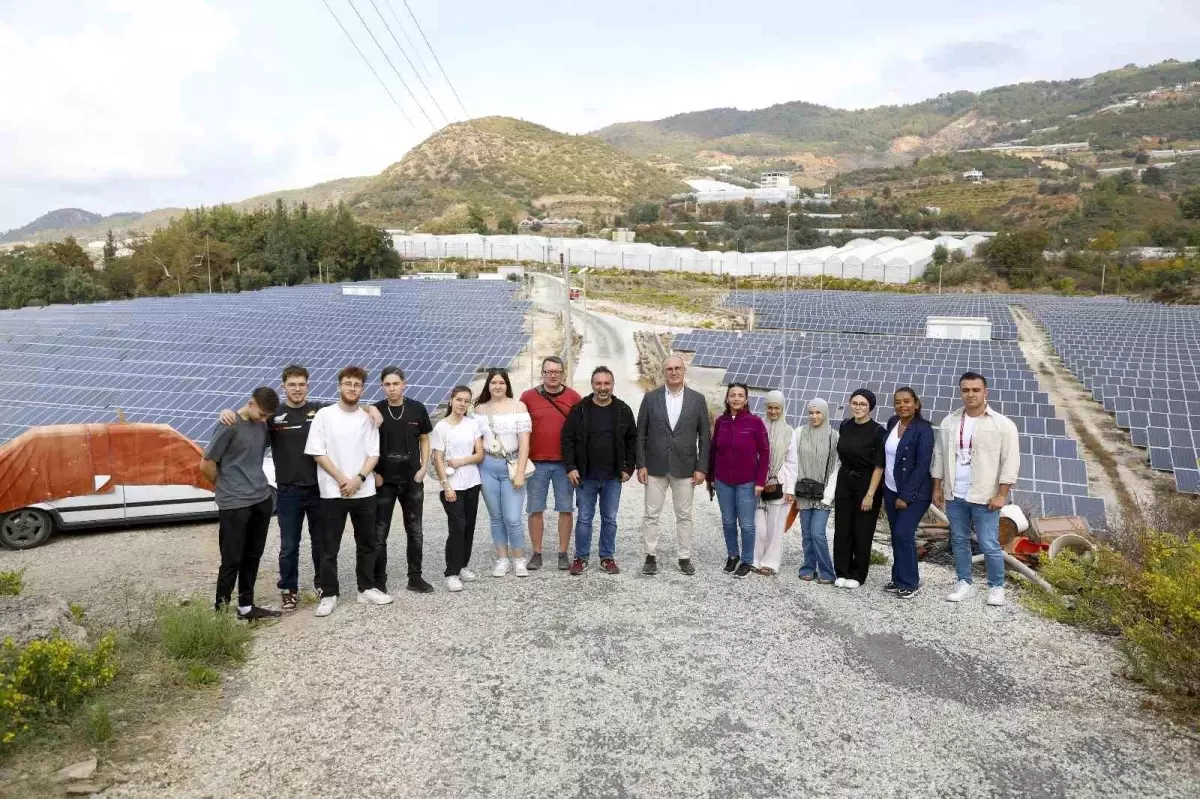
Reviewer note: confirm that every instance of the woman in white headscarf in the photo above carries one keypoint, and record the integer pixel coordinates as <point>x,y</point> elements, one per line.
<point>816,461</point>
<point>776,497</point>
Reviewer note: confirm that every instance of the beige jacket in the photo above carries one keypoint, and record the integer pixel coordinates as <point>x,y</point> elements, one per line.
<point>995,455</point>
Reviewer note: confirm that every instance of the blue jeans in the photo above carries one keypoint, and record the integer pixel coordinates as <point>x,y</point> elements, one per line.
<point>292,504</point>
<point>967,516</point>
<point>538,484</point>
<point>813,523</point>
<point>903,524</point>
<point>738,503</point>
<point>503,504</point>
<point>609,494</point>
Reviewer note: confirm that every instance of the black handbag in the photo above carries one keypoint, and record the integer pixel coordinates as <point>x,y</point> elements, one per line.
<point>814,490</point>
<point>772,494</point>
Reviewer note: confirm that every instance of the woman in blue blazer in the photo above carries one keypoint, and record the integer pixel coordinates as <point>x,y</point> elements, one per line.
<point>907,486</point>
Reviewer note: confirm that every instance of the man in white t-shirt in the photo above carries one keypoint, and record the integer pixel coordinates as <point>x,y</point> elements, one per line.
<point>345,444</point>
<point>976,460</point>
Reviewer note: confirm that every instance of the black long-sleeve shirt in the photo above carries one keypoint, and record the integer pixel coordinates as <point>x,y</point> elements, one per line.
<point>860,448</point>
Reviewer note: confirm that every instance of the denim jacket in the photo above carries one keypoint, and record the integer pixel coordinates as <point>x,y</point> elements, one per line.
<point>914,457</point>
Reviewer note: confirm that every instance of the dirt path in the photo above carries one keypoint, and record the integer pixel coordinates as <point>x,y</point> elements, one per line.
<point>1117,470</point>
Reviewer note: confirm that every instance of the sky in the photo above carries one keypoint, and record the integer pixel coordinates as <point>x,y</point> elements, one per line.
<point>121,105</point>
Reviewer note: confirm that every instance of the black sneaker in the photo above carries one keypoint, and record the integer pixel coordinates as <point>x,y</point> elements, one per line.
<point>890,587</point>
<point>651,566</point>
<point>904,593</point>
<point>685,566</point>
<point>564,562</point>
<point>731,564</point>
<point>535,562</point>
<point>255,613</point>
<point>419,585</point>
<point>288,599</point>
<point>742,570</point>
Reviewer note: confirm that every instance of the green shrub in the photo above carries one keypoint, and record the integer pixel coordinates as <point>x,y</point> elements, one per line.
<point>879,559</point>
<point>198,674</point>
<point>99,723</point>
<point>77,612</point>
<point>43,680</point>
<point>11,583</point>
<point>1154,607</point>
<point>193,632</point>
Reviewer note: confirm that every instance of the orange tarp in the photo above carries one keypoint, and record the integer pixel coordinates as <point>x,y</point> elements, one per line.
<point>58,461</point>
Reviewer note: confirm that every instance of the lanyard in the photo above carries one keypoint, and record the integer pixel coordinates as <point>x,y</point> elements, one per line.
<point>961,425</point>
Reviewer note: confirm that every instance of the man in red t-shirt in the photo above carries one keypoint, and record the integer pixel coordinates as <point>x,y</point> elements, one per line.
<point>548,406</point>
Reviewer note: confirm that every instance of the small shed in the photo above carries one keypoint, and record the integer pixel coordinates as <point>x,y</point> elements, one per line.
<point>969,328</point>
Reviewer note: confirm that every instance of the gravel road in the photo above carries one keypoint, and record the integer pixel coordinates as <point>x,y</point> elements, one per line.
<point>599,685</point>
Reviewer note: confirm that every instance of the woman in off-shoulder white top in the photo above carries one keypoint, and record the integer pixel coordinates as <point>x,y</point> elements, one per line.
<point>506,426</point>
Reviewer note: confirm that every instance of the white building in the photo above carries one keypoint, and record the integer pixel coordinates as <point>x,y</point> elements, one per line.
<point>775,180</point>
<point>973,175</point>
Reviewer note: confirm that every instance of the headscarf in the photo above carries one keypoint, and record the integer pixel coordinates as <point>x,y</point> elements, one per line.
<point>866,394</point>
<point>813,445</point>
<point>779,433</point>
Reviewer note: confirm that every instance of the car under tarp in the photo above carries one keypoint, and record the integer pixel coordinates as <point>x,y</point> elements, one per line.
<point>72,460</point>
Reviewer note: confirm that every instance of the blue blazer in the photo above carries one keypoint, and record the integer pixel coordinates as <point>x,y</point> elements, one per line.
<point>914,457</point>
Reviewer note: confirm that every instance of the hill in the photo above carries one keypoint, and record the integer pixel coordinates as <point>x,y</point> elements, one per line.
<point>802,132</point>
<point>505,166</point>
<point>54,220</point>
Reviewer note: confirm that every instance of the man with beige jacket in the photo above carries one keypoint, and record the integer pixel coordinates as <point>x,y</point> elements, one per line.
<point>976,460</point>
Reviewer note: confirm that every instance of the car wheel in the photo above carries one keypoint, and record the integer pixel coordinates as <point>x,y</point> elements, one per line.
<point>26,528</point>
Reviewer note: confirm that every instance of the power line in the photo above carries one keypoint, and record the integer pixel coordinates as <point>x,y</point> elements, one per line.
<point>388,28</point>
<point>408,40</point>
<point>400,77</point>
<point>436,60</point>
<point>396,102</point>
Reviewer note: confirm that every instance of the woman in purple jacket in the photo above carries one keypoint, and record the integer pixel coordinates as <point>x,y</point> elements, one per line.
<point>737,466</point>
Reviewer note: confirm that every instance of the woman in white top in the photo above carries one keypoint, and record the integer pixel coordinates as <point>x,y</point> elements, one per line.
<point>776,498</point>
<point>506,425</point>
<point>457,444</point>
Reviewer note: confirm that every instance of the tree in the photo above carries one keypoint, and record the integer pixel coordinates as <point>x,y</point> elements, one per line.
<point>940,255</point>
<point>645,213</point>
<point>1189,204</point>
<point>506,225</point>
<point>110,250</point>
<point>1017,256</point>
<point>1124,182</point>
<point>1105,241</point>
<point>1153,176</point>
<point>1142,157</point>
<point>475,221</point>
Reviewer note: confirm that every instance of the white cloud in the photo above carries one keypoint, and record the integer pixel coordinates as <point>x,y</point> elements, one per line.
<point>106,100</point>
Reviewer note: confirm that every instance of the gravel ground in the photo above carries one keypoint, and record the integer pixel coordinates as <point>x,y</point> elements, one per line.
<point>626,685</point>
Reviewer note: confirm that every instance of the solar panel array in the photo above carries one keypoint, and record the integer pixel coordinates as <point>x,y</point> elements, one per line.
<point>180,360</point>
<point>870,312</point>
<point>1140,360</point>
<point>806,365</point>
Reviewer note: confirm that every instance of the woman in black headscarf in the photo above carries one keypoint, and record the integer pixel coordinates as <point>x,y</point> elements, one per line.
<point>857,500</point>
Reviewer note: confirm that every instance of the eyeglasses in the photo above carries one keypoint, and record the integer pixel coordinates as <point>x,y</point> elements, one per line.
<point>552,372</point>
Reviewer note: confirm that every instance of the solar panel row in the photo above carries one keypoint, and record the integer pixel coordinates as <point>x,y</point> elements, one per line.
<point>181,360</point>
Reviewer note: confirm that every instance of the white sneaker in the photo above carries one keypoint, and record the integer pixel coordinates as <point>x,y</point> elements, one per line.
<point>501,567</point>
<point>373,596</point>
<point>453,583</point>
<point>466,575</point>
<point>962,590</point>
<point>519,567</point>
<point>851,584</point>
<point>995,596</point>
<point>839,582</point>
<point>326,606</point>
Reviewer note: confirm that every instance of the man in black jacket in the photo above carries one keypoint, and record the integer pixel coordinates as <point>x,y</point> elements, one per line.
<point>599,440</point>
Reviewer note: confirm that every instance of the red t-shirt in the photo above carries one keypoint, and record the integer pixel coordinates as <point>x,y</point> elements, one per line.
<point>549,413</point>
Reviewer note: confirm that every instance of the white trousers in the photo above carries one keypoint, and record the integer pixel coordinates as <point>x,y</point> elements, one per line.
<point>682,491</point>
<point>768,534</point>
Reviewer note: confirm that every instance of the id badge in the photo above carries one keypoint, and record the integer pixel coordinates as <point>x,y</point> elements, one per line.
<point>964,457</point>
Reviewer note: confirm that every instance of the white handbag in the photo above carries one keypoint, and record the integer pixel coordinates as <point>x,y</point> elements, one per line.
<point>500,451</point>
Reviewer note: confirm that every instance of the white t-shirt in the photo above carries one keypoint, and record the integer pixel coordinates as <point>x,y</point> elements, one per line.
<point>890,447</point>
<point>962,456</point>
<point>458,441</point>
<point>348,439</point>
<point>508,427</point>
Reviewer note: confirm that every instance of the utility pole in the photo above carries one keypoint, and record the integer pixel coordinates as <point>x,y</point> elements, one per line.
<point>208,263</point>
<point>568,342</point>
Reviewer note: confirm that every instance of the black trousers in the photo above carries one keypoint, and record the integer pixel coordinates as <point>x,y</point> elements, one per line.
<point>242,535</point>
<point>853,528</point>
<point>460,519</point>
<point>411,495</point>
<point>362,518</point>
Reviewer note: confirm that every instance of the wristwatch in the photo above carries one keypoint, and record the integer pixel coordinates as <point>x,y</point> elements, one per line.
<point>362,477</point>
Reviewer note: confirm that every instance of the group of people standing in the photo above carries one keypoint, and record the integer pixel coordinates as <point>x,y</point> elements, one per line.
<point>339,461</point>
